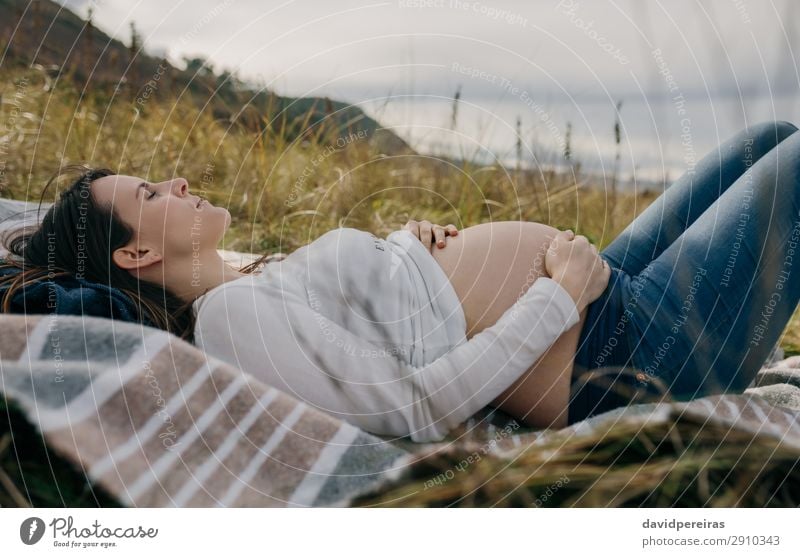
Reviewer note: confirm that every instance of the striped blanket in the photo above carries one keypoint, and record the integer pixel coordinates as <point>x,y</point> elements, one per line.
<point>156,422</point>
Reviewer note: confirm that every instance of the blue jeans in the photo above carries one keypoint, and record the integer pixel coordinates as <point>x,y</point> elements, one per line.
<point>703,281</point>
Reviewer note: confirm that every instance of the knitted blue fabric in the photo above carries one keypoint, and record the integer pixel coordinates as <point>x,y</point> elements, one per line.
<point>69,295</point>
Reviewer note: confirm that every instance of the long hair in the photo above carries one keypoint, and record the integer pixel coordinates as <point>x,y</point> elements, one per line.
<point>77,237</point>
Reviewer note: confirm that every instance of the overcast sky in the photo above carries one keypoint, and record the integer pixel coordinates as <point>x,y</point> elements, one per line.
<point>567,54</point>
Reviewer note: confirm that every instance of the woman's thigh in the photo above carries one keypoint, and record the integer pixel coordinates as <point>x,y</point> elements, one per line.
<point>664,220</point>
<point>490,266</point>
<point>717,299</point>
<point>703,293</point>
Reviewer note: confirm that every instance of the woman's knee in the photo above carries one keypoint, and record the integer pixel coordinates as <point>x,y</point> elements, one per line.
<point>785,128</point>
<point>778,154</point>
<point>772,132</point>
<point>781,168</point>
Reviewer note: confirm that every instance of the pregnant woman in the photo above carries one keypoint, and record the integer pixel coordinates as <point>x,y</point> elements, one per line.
<point>401,338</point>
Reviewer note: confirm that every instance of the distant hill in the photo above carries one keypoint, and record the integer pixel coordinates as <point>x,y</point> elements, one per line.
<point>44,32</point>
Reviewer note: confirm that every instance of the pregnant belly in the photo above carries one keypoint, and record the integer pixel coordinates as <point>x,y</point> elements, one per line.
<point>490,266</point>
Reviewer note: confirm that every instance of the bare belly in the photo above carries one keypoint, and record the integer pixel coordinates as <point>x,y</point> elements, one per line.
<point>490,266</point>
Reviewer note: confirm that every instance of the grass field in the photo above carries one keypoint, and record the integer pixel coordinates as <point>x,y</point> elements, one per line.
<point>281,195</point>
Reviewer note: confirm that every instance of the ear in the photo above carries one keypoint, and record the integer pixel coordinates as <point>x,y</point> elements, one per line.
<point>134,258</point>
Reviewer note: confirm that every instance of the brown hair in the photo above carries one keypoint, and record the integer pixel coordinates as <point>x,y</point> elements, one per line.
<point>76,237</point>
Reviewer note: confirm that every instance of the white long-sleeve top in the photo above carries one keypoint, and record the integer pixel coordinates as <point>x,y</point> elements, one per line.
<point>371,331</point>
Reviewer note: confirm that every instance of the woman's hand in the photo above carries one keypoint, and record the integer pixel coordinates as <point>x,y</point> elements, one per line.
<point>428,232</point>
<point>574,263</point>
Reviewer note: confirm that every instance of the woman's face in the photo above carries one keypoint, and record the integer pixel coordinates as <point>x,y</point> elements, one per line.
<point>168,223</point>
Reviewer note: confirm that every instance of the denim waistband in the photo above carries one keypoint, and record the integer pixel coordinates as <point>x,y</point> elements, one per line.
<point>606,340</point>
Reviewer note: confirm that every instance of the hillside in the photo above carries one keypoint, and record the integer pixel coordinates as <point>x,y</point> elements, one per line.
<point>44,32</point>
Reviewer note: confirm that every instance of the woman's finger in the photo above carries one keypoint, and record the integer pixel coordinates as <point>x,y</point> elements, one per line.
<point>429,233</point>
<point>426,232</point>
<point>439,232</point>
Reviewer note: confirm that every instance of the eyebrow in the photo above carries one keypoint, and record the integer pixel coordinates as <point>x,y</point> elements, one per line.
<point>139,188</point>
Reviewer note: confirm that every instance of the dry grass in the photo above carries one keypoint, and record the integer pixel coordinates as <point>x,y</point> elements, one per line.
<point>280,193</point>
<point>621,465</point>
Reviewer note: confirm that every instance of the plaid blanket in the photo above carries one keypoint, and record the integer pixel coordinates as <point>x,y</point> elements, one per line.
<point>156,422</point>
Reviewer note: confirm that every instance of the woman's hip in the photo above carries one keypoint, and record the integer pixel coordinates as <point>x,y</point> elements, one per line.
<point>610,358</point>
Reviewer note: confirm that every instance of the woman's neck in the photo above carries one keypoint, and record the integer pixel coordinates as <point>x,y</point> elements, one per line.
<point>201,274</point>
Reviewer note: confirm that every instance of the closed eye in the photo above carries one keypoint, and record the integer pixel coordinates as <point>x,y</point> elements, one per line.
<point>152,195</point>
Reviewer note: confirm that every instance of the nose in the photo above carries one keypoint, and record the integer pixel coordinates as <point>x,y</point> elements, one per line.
<point>180,186</point>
